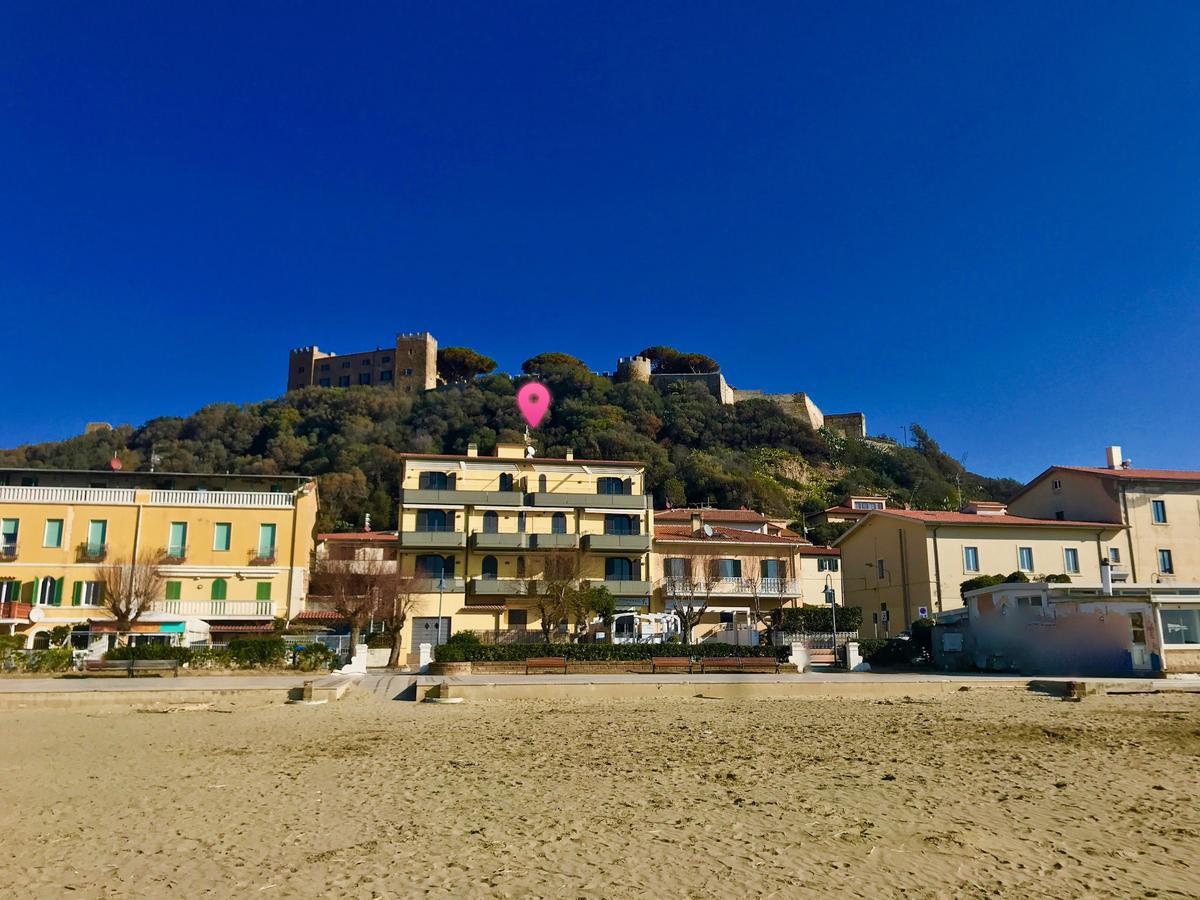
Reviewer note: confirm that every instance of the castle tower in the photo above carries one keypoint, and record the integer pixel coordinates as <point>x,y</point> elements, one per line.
<point>416,362</point>
<point>302,364</point>
<point>633,368</point>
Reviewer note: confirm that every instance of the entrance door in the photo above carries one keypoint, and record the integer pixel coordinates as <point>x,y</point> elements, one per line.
<point>425,631</point>
<point>1137,650</point>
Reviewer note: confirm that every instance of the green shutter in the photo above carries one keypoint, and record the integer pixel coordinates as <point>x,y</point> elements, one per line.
<point>218,589</point>
<point>33,597</point>
<point>76,592</point>
<point>173,591</point>
<point>263,590</point>
<point>58,586</point>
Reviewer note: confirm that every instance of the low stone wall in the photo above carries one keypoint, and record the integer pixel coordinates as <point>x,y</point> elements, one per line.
<point>613,667</point>
<point>1182,661</point>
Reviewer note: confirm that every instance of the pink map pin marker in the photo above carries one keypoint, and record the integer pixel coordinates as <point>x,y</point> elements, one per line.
<point>534,402</point>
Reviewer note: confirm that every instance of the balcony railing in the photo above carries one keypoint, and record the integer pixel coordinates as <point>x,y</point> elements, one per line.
<point>621,587</point>
<point>89,552</point>
<point>176,554</point>
<point>228,499</point>
<point>616,543</point>
<point>554,541</point>
<point>8,552</point>
<point>111,496</point>
<point>429,584</point>
<point>726,587</point>
<point>430,537</point>
<point>263,556</point>
<point>462,498</point>
<point>258,609</point>
<point>11,609</point>
<point>484,540</point>
<point>490,586</point>
<point>597,501</point>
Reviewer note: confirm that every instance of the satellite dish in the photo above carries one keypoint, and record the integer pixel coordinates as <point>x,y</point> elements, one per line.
<point>530,452</point>
<point>708,532</point>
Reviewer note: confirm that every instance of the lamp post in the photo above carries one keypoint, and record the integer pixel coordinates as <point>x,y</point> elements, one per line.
<point>831,599</point>
<point>437,636</point>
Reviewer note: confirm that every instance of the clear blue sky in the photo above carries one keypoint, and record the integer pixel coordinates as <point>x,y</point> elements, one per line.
<point>981,217</point>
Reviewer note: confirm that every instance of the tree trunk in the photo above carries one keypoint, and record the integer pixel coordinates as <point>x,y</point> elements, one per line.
<point>397,640</point>
<point>355,636</point>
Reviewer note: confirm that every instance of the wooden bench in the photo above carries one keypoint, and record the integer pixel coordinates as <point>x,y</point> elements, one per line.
<point>740,664</point>
<point>822,658</point>
<point>670,664</point>
<point>132,666</point>
<point>552,664</point>
<point>767,664</point>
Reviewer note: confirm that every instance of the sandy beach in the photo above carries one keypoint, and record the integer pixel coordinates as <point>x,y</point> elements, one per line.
<point>971,794</point>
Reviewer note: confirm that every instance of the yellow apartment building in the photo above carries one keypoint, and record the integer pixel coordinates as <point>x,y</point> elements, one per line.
<point>736,560</point>
<point>1158,509</point>
<point>899,565</point>
<point>476,530</point>
<point>235,550</point>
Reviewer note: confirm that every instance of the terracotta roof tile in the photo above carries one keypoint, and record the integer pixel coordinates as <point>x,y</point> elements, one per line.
<point>739,536</point>
<point>711,515</point>
<point>940,517</point>
<point>1136,474</point>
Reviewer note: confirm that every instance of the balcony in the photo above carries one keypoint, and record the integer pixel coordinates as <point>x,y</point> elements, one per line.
<point>596,501</point>
<point>63,495</point>
<point>88,552</point>
<point>554,541</point>
<point>263,556</point>
<point>174,556</point>
<point>218,609</point>
<point>624,588</point>
<point>429,584</point>
<point>482,540</point>
<point>461,498</point>
<point>225,499</point>
<point>616,543</point>
<point>483,586</point>
<point>439,538</point>
<point>14,610</point>
<point>766,588</point>
<point>8,552</point>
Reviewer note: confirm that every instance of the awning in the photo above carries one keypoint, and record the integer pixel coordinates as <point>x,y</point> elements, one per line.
<point>491,609</point>
<point>241,628</point>
<point>318,615</point>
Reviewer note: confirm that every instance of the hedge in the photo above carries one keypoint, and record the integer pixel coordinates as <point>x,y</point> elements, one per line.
<point>802,619</point>
<point>461,652</point>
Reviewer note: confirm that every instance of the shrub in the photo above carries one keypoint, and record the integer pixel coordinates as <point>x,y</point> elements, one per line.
<point>57,659</point>
<point>210,658</point>
<point>868,647</point>
<point>1057,579</point>
<point>980,581</point>
<point>817,618</point>
<point>450,652</point>
<point>380,640</point>
<point>465,639</point>
<point>151,651</point>
<point>311,657</point>
<point>1017,578</point>
<point>254,652</point>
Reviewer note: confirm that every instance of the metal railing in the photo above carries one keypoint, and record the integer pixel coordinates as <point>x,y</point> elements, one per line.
<point>88,552</point>
<point>765,588</point>
<point>240,499</point>
<point>263,556</point>
<point>8,551</point>
<point>178,552</point>
<point>517,635</point>
<point>264,609</point>
<point>814,640</point>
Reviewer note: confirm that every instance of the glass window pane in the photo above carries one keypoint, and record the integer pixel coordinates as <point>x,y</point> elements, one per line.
<point>54,533</point>
<point>1181,626</point>
<point>221,535</point>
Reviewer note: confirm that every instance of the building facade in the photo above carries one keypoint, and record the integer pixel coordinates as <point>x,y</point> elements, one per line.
<point>477,532</point>
<point>901,565</point>
<point>1158,509</point>
<point>410,366</point>
<point>235,549</point>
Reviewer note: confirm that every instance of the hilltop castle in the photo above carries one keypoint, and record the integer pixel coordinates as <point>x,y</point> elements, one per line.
<point>411,366</point>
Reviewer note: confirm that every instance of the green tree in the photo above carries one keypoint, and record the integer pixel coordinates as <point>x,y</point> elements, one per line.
<point>456,365</point>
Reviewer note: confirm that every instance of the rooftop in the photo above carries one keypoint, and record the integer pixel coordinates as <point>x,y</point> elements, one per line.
<point>983,520</point>
<point>722,535</point>
<point>712,515</point>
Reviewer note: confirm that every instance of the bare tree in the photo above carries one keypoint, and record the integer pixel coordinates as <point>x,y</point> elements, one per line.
<point>397,595</point>
<point>349,590</point>
<point>129,586</point>
<point>766,596</point>
<point>690,593</point>
<point>556,590</point>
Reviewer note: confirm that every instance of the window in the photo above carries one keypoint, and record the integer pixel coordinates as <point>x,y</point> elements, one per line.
<point>434,481</point>
<point>827,564</point>
<point>97,539</point>
<point>219,588</point>
<point>346,364</point>
<point>618,569</point>
<point>880,571</point>
<point>407,372</point>
<point>506,481</point>
<point>542,483</point>
<point>1056,485</point>
<point>29,481</point>
<point>727,568</point>
<point>222,533</point>
<point>53,536</point>
<point>266,541</point>
<point>490,568</point>
<point>173,590</point>
<point>558,523</point>
<point>1137,628</point>
<point>364,378</point>
<point>610,486</point>
<point>518,618</point>
<point>772,568</point>
<point>867,504</point>
<point>1025,559</point>
<point>677,567</point>
<point>262,590</point>
<point>324,367</point>
<point>1165,565</point>
<point>8,536</point>
<point>439,520</point>
<point>343,381</point>
<point>1158,509</point>
<point>521,566</point>
<point>87,593</point>
<point>323,382</point>
<point>1181,626</point>
<point>385,359</point>
<point>366,362</point>
<point>177,540</point>
<point>970,559</point>
<point>491,522</point>
<point>1035,602</point>
<point>49,592</point>
<point>620,525</point>
<point>1071,560</point>
<point>1114,554</point>
<point>521,522</point>
<point>385,375</point>
<point>10,591</point>
<point>434,566</point>
<point>1060,515</point>
<point>726,618</point>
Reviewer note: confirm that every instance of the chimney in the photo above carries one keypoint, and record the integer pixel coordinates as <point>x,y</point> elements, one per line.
<point>570,454</point>
<point>1105,578</point>
<point>1114,457</point>
<point>985,508</point>
<point>696,522</point>
<point>472,449</point>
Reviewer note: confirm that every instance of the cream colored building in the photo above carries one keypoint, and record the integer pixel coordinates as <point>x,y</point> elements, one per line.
<point>1159,509</point>
<point>736,561</point>
<point>900,565</point>
<point>235,549</point>
<point>476,530</point>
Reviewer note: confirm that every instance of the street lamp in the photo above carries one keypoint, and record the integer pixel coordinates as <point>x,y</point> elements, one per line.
<point>437,636</point>
<point>831,599</point>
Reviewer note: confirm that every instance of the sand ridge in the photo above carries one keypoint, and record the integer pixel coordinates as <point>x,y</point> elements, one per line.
<point>971,794</point>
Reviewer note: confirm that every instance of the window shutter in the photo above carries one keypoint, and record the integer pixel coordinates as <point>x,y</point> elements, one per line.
<point>37,583</point>
<point>262,590</point>
<point>99,598</point>
<point>58,586</point>
<point>76,591</point>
